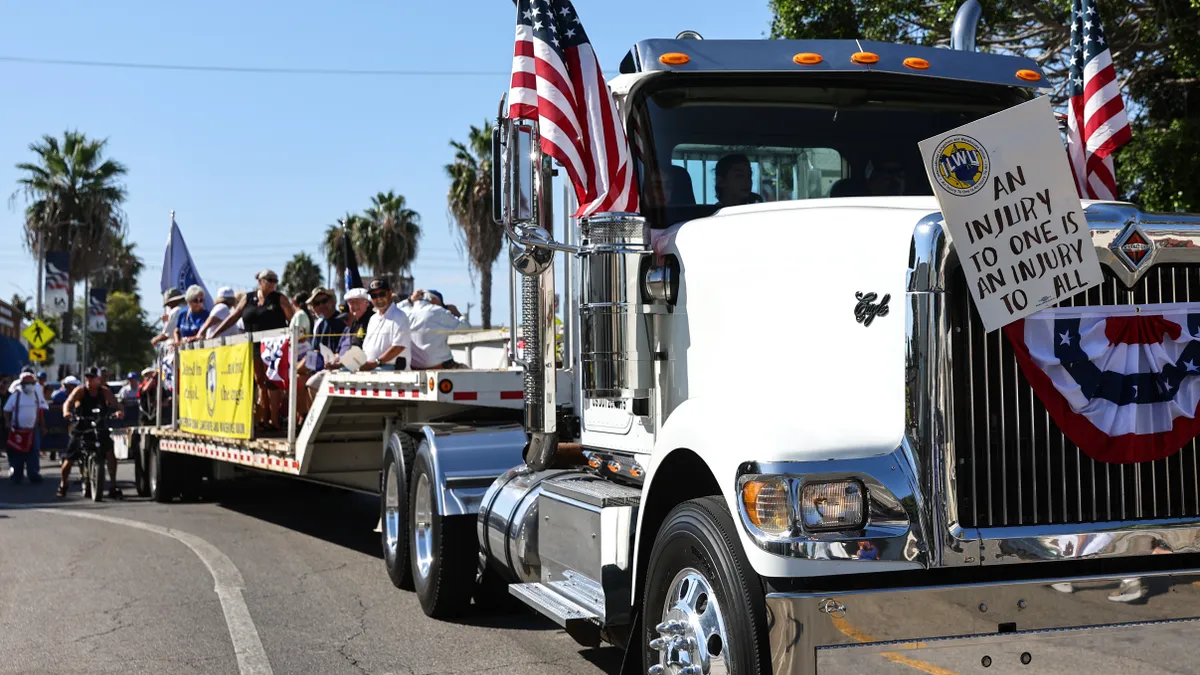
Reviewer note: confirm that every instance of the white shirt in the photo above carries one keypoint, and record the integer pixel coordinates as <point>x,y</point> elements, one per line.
<point>38,392</point>
<point>386,330</point>
<point>26,417</point>
<point>221,311</point>
<point>431,328</point>
<point>168,328</point>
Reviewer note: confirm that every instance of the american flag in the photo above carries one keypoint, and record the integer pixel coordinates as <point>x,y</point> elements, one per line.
<point>1096,120</point>
<point>557,82</point>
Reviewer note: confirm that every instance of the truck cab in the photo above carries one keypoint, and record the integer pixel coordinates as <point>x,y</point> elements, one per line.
<point>713,508</point>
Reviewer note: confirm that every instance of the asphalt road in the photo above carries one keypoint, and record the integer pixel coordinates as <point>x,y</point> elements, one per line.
<point>279,576</point>
<point>81,595</point>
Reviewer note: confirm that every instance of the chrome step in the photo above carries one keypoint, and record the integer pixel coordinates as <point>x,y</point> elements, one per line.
<point>553,605</point>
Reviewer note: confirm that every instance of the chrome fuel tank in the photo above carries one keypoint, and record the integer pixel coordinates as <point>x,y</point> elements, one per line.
<point>508,521</point>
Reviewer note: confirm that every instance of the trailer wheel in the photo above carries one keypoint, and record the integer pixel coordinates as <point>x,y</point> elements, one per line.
<point>160,469</point>
<point>703,604</point>
<point>444,552</point>
<point>393,506</point>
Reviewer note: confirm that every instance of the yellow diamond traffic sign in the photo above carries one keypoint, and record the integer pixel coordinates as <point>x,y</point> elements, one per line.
<point>38,334</point>
<point>37,355</point>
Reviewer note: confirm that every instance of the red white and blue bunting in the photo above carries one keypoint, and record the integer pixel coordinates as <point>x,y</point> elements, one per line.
<point>1123,383</point>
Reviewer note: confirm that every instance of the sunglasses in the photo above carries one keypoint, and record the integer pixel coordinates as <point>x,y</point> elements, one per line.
<point>379,294</point>
<point>196,301</point>
<point>320,301</point>
<point>270,280</point>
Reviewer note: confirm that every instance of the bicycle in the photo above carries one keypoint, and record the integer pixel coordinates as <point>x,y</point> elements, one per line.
<point>93,453</point>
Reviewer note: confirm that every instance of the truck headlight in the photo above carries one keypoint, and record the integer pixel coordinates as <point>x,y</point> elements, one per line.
<point>768,504</point>
<point>834,505</point>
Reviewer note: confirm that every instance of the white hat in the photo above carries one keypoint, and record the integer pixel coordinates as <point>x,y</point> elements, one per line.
<point>226,292</point>
<point>71,380</point>
<point>147,371</point>
<point>357,294</point>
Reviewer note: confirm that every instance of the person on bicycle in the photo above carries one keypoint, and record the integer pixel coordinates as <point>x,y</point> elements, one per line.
<point>91,396</point>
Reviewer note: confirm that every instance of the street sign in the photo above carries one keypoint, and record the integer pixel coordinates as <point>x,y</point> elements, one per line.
<point>37,355</point>
<point>38,334</point>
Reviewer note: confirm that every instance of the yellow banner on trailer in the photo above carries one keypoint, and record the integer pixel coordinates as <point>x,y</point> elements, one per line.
<point>218,391</point>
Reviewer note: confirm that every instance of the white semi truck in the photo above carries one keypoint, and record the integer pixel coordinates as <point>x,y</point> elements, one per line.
<point>890,496</point>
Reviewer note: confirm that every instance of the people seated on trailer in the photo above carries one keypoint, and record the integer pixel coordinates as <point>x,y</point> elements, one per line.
<point>388,343</point>
<point>733,181</point>
<point>329,326</point>
<point>359,312</point>
<point>301,318</point>
<point>432,323</point>
<point>172,306</point>
<point>223,304</point>
<point>189,323</point>
<point>92,395</point>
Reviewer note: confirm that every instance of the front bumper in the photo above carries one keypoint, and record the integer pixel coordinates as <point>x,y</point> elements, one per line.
<point>990,628</point>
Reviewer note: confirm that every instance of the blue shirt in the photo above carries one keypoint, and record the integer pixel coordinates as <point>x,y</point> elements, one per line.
<point>189,322</point>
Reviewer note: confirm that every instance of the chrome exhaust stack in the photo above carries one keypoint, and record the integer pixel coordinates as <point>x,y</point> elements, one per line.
<point>966,20</point>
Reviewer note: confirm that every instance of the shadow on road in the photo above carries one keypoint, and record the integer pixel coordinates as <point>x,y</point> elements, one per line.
<point>28,494</point>
<point>340,517</point>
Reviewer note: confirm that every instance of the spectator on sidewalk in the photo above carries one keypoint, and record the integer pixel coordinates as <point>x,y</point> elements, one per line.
<point>64,389</point>
<point>128,395</point>
<point>24,417</point>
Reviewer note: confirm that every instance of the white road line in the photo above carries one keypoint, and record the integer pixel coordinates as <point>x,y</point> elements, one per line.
<point>228,584</point>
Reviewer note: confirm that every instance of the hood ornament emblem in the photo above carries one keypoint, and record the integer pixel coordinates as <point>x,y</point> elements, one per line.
<point>1133,247</point>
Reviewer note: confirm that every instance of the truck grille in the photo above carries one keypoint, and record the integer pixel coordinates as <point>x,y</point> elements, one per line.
<point>1015,467</point>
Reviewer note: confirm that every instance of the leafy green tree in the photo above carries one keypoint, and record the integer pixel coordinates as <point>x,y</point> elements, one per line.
<point>331,245</point>
<point>125,345</point>
<point>73,202</point>
<point>300,274</point>
<point>470,201</point>
<point>21,304</point>
<point>1155,47</point>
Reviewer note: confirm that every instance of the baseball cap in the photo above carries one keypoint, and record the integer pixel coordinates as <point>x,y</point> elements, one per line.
<point>131,375</point>
<point>71,380</point>
<point>92,372</point>
<point>379,284</point>
<point>226,292</point>
<point>357,294</point>
<point>42,375</point>
<point>172,294</point>
<point>438,294</point>
<point>269,275</point>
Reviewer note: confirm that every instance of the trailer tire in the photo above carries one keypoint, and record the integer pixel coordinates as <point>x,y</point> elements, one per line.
<point>161,474</point>
<point>699,575</point>
<point>393,509</point>
<point>443,549</point>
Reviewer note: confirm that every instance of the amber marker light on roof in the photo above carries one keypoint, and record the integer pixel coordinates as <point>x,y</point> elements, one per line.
<point>674,58</point>
<point>807,58</point>
<point>916,62</point>
<point>1029,75</point>
<point>864,57</point>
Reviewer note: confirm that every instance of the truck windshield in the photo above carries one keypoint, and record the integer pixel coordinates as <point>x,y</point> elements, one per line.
<point>725,143</point>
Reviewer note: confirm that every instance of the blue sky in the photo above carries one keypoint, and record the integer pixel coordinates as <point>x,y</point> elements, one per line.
<point>256,166</point>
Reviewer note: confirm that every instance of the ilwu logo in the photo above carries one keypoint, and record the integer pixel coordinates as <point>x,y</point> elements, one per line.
<point>961,165</point>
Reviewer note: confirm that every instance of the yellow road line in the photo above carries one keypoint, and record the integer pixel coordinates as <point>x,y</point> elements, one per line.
<point>852,632</point>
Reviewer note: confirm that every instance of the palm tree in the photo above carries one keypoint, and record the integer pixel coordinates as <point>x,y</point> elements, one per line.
<point>124,266</point>
<point>73,203</point>
<point>300,274</point>
<point>387,236</point>
<point>470,200</point>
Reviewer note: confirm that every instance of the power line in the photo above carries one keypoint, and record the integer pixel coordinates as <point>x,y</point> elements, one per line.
<point>251,69</point>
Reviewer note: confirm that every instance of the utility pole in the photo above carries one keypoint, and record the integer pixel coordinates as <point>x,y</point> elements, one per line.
<point>41,261</point>
<point>87,315</point>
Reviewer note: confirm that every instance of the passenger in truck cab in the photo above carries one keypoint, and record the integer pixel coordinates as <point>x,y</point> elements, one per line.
<point>885,177</point>
<point>733,181</point>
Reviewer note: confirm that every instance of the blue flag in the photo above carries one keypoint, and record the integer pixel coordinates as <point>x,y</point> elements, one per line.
<point>178,269</point>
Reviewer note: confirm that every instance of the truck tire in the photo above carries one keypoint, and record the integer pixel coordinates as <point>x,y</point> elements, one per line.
<point>699,585</point>
<point>162,476</point>
<point>393,509</point>
<point>444,552</point>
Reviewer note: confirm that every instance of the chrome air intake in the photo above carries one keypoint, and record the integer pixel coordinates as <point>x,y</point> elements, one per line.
<point>615,358</point>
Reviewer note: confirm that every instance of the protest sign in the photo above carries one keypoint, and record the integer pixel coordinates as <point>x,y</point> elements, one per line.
<point>1010,204</point>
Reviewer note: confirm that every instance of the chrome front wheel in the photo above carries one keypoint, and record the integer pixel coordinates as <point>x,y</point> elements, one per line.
<point>692,637</point>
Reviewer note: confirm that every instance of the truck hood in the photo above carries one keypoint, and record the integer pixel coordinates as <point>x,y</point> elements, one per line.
<point>765,333</point>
